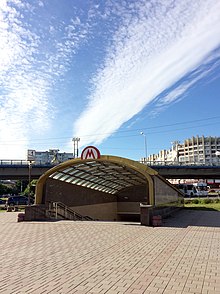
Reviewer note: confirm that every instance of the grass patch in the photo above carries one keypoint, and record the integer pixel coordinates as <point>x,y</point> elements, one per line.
<point>204,204</point>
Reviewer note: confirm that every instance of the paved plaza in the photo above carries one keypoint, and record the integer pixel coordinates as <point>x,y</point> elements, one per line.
<point>181,256</point>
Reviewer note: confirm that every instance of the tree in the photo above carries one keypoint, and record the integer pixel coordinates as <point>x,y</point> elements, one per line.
<point>3,189</point>
<point>30,189</point>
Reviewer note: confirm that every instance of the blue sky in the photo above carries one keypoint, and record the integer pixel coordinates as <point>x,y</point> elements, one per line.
<point>105,71</point>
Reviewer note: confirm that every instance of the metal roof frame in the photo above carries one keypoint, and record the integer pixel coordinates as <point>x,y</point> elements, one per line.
<point>104,176</point>
<point>109,174</point>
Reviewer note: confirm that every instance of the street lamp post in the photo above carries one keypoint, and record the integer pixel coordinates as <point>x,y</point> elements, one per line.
<point>29,181</point>
<point>145,144</point>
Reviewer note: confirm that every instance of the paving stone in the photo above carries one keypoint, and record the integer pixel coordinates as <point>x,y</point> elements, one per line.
<point>181,256</point>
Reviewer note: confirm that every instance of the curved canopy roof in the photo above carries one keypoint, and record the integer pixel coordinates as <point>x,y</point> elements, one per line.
<point>109,174</point>
<point>103,176</point>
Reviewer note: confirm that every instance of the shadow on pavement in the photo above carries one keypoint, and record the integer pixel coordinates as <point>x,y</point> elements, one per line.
<point>193,217</point>
<point>201,208</point>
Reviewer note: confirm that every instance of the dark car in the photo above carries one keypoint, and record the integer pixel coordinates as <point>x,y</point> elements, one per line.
<point>2,204</point>
<point>17,200</point>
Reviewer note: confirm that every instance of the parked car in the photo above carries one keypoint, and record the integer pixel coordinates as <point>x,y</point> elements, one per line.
<point>17,200</point>
<point>2,204</point>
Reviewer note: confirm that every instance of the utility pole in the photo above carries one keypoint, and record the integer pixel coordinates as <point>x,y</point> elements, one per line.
<point>76,147</point>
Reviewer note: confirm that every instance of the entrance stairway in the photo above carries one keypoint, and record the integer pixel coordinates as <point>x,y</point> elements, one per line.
<point>58,210</point>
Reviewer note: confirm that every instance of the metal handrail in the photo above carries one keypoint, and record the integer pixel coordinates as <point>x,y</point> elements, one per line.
<point>68,213</point>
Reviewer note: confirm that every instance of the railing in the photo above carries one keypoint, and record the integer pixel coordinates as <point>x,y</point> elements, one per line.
<point>176,163</point>
<point>16,162</point>
<point>60,210</point>
<point>24,163</point>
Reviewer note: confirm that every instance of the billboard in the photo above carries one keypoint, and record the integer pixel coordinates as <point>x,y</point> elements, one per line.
<point>31,155</point>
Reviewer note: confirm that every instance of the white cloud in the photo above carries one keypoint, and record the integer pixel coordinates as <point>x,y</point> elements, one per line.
<point>150,53</point>
<point>149,47</point>
<point>178,92</point>
<point>41,4</point>
<point>31,60</point>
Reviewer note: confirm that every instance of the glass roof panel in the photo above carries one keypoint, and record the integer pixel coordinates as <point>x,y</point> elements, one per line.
<point>69,169</point>
<point>103,176</point>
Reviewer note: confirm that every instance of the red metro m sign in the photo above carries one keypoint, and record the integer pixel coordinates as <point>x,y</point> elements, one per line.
<point>90,152</point>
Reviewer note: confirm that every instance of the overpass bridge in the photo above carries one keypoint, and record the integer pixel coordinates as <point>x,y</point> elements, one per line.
<point>23,170</point>
<point>187,171</point>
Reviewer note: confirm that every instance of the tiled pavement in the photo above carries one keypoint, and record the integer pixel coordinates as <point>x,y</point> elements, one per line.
<point>182,256</point>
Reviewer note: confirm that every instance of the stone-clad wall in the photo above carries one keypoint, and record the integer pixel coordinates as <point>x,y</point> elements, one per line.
<point>129,202</point>
<point>97,204</point>
<point>85,201</point>
<point>166,195</point>
<point>107,207</point>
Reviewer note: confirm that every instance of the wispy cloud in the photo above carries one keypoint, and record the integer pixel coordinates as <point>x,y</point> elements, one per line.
<point>156,46</point>
<point>31,61</point>
<point>142,49</point>
<point>179,92</point>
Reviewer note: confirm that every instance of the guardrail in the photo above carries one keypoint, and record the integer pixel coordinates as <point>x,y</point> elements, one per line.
<point>17,162</point>
<point>175,163</point>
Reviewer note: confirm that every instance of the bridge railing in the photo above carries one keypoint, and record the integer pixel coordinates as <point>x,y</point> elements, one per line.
<point>17,162</point>
<point>176,163</point>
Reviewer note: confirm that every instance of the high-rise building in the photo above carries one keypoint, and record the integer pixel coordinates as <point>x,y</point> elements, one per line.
<point>196,150</point>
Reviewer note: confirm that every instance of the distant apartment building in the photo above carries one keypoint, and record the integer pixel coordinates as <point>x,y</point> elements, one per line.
<point>48,157</point>
<point>197,150</point>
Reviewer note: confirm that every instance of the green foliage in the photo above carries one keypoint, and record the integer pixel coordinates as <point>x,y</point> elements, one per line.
<point>30,189</point>
<point>8,189</point>
<point>203,204</point>
<point>3,189</point>
<point>206,201</point>
<point>201,201</point>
